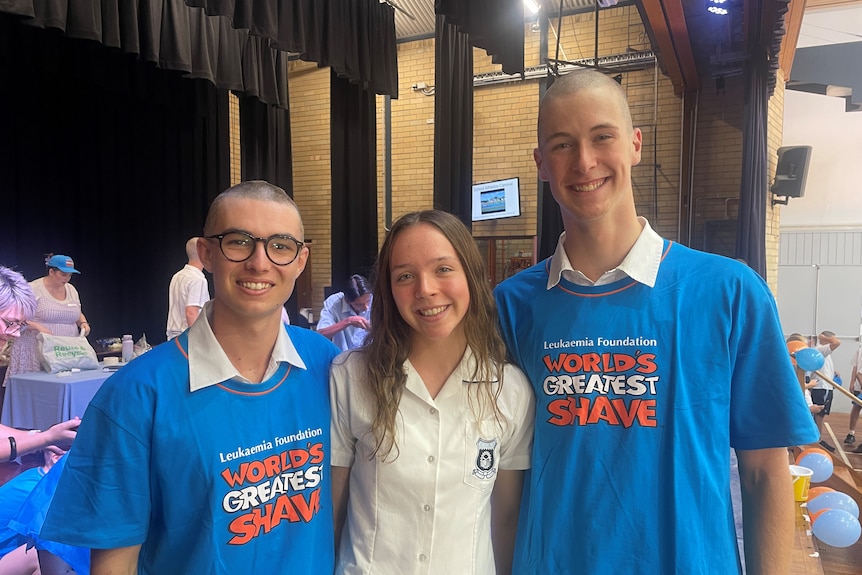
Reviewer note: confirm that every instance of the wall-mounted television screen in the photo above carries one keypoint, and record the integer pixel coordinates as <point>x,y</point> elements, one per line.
<point>497,199</point>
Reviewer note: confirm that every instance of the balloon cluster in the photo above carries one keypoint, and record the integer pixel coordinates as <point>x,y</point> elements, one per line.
<point>834,518</point>
<point>834,515</point>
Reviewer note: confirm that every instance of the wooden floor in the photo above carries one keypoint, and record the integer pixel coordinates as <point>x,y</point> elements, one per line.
<point>810,556</point>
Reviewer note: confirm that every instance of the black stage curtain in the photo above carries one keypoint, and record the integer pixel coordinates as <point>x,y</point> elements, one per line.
<point>550,222</point>
<point>751,226</point>
<point>170,34</point>
<point>497,26</point>
<point>265,152</point>
<point>353,141</point>
<point>356,38</point>
<point>265,143</point>
<point>453,121</point>
<point>118,179</point>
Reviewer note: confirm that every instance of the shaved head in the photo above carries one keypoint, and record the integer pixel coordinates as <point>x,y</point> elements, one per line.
<point>574,82</point>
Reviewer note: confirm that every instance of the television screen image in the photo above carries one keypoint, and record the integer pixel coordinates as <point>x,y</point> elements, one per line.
<point>493,201</point>
<point>497,199</point>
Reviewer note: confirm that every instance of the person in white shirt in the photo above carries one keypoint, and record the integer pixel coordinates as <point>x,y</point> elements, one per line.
<point>856,389</point>
<point>821,391</point>
<point>346,315</point>
<point>187,294</point>
<point>431,428</point>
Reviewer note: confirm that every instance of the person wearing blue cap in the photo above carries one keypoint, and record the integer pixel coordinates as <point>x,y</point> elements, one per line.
<point>58,312</point>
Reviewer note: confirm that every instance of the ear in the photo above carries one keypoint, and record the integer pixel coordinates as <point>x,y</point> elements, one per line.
<point>301,260</point>
<point>637,144</point>
<point>205,254</point>
<point>537,157</point>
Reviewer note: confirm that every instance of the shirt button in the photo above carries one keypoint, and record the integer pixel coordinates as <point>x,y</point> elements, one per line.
<point>426,507</point>
<point>430,459</point>
<point>433,411</point>
<point>422,558</point>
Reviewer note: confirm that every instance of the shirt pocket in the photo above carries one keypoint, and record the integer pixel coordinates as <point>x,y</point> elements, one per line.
<point>481,453</point>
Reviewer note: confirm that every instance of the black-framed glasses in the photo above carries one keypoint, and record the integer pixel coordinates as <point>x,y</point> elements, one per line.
<point>237,246</point>
<point>12,327</point>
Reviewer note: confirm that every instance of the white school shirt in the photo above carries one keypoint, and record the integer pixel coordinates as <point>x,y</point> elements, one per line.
<point>428,509</point>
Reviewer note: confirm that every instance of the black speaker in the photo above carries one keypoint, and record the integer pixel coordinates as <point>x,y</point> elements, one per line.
<point>791,171</point>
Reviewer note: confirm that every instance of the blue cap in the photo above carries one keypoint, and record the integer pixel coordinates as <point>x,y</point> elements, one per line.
<point>62,263</point>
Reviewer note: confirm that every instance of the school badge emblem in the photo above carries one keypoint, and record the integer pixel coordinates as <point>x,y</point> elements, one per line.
<point>485,460</point>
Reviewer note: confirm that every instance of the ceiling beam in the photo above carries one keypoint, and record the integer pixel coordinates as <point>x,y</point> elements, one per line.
<point>792,26</point>
<point>817,4</point>
<point>666,19</point>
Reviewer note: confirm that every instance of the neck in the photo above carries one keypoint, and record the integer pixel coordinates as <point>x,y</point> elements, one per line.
<point>435,361</point>
<point>53,285</point>
<point>247,344</point>
<point>596,247</point>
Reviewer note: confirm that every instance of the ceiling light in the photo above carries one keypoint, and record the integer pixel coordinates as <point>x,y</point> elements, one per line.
<point>718,11</point>
<point>532,5</point>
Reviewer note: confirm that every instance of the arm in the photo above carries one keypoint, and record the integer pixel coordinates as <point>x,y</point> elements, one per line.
<point>767,510</point>
<point>340,492</point>
<point>832,341</point>
<point>192,313</point>
<point>83,324</point>
<point>505,505</point>
<point>120,561</point>
<point>26,442</point>
<point>333,328</point>
<point>38,327</point>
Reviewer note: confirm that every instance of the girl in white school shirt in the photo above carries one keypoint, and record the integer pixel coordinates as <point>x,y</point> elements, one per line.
<point>431,429</point>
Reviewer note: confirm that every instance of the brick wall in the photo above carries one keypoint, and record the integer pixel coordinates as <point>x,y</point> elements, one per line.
<point>504,137</point>
<point>774,136</point>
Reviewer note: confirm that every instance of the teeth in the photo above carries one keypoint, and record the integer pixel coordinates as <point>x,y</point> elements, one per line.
<point>432,312</point>
<point>589,187</point>
<point>254,285</point>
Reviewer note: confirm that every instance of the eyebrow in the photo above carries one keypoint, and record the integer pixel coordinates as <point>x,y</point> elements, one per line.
<point>432,260</point>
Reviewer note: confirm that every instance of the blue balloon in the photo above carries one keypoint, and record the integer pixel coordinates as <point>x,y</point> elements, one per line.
<point>834,500</point>
<point>820,464</point>
<point>809,359</point>
<point>837,528</point>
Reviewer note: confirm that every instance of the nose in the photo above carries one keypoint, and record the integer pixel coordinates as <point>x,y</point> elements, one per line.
<point>425,286</point>
<point>258,260</point>
<point>585,159</point>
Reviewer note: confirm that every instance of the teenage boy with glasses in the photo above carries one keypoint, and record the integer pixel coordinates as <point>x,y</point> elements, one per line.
<point>210,454</point>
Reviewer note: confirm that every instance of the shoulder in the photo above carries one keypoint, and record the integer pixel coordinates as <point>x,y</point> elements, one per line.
<point>311,345</point>
<point>515,381</point>
<point>334,299</point>
<point>532,278</point>
<point>710,270</point>
<point>162,371</point>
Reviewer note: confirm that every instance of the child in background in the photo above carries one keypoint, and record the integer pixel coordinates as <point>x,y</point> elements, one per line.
<point>431,428</point>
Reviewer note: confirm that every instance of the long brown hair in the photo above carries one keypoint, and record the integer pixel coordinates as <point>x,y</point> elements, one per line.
<point>389,342</point>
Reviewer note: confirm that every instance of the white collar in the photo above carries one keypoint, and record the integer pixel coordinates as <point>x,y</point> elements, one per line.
<point>209,365</point>
<point>641,263</point>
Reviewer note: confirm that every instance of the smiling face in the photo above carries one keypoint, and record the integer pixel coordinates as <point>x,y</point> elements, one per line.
<point>255,288</point>
<point>586,150</point>
<point>429,285</point>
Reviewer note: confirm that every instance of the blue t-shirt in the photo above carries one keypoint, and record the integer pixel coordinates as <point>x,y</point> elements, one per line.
<point>640,393</point>
<point>12,495</point>
<point>232,478</point>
